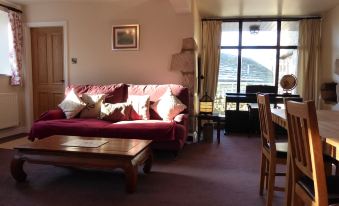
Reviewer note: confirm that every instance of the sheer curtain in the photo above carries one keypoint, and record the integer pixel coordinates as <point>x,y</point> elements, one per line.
<point>211,35</point>
<point>308,62</point>
<point>16,47</point>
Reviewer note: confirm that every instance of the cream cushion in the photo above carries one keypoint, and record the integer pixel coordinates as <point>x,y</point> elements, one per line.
<point>71,105</point>
<point>168,106</point>
<point>140,105</point>
<point>115,112</point>
<point>93,104</point>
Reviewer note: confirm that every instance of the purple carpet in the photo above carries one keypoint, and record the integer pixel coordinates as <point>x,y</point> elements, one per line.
<point>202,174</point>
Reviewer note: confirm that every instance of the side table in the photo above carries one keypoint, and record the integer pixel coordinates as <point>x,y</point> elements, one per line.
<point>214,118</point>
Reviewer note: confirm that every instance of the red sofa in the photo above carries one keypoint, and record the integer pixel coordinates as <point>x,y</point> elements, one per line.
<point>167,135</point>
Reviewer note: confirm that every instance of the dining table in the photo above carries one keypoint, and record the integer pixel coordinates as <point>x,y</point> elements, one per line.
<point>328,124</point>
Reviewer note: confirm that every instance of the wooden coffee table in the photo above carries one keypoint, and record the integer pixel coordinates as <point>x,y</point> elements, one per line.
<point>127,154</point>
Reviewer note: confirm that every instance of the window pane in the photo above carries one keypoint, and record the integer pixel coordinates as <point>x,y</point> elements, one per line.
<point>4,48</point>
<point>257,67</point>
<point>230,34</point>
<point>259,33</point>
<point>227,80</point>
<point>289,33</point>
<point>288,65</point>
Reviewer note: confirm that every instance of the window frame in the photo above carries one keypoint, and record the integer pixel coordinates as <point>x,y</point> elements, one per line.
<point>277,47</point>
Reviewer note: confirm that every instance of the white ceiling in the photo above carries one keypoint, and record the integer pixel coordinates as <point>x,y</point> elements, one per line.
<point>180,6</point>
<point>24,2</point>
<point>230,8</point>
<point>259,8</point>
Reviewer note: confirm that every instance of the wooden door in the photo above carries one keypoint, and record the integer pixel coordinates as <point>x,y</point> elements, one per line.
<point>47,68</point>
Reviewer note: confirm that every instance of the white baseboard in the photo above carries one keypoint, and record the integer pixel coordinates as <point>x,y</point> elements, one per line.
<point>14,131</point>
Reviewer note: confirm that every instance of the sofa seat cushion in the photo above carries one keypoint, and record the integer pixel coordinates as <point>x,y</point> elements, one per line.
<point>75,127</point>
<point>156,130</point>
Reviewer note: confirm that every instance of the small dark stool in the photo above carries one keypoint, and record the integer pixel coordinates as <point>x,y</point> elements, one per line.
<point>215,118</point>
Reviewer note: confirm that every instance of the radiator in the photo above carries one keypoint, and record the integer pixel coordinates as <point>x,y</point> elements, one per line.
<point>9,114</point>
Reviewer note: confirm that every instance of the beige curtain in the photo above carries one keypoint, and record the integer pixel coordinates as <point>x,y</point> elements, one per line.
<point>308,62</point>
<point>211,35</point>
<point>16,47</point>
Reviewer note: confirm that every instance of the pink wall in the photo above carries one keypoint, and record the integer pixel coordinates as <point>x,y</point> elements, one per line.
<point>330,45</point>
<point>89,33</point>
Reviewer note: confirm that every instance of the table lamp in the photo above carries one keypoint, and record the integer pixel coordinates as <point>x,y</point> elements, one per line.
<point>206,104</point>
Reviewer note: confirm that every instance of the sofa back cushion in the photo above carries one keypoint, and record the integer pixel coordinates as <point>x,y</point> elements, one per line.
<point>114,93</point>
<point>156,91</point>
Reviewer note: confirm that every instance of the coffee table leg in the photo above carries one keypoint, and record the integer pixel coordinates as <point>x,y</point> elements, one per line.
<point>17,169</point>
<point>131,172</point>
<point>148,164</point>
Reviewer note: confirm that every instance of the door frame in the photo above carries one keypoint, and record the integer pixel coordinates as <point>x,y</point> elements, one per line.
<point>28,63</point>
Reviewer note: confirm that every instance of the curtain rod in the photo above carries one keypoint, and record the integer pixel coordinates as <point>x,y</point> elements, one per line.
<point>11,8</point>
<point>263,18</point>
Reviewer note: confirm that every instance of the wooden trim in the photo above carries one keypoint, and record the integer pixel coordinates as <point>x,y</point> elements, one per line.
<point>11,8</point>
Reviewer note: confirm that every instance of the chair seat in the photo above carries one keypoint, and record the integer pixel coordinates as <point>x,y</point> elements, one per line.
<point>332,187</point>
<point>282,148</point>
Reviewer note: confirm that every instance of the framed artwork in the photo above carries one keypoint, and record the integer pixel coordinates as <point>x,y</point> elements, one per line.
<point>125,37</point>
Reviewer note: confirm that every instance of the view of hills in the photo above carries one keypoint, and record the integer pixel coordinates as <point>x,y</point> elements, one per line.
<point>251,70</point>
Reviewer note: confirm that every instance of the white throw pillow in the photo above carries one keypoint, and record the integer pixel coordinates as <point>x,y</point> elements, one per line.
<point>93,105</point>
<point>71,105</point>
<point>140,104</point>
<point>168,106</point>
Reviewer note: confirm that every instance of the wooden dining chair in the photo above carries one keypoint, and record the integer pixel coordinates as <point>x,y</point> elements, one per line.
<point>272,153</point>
<point>310,185</point>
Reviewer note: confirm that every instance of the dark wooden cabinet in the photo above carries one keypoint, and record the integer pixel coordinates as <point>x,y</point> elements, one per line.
<point>237,116</point>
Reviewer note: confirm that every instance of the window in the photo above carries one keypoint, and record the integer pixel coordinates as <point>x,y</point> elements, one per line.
<point>5,34</point>
<point>255,52</point>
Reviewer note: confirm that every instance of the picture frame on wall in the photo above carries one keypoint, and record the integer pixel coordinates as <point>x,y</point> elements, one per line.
<point>125,37</point>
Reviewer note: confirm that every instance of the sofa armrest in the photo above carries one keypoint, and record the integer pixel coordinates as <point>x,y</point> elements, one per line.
<point>181,118</point>
<point>52,114</point>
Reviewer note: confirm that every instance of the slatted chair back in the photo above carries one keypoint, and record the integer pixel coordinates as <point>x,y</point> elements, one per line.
<point>306,148</point>
<point>267,131</point>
